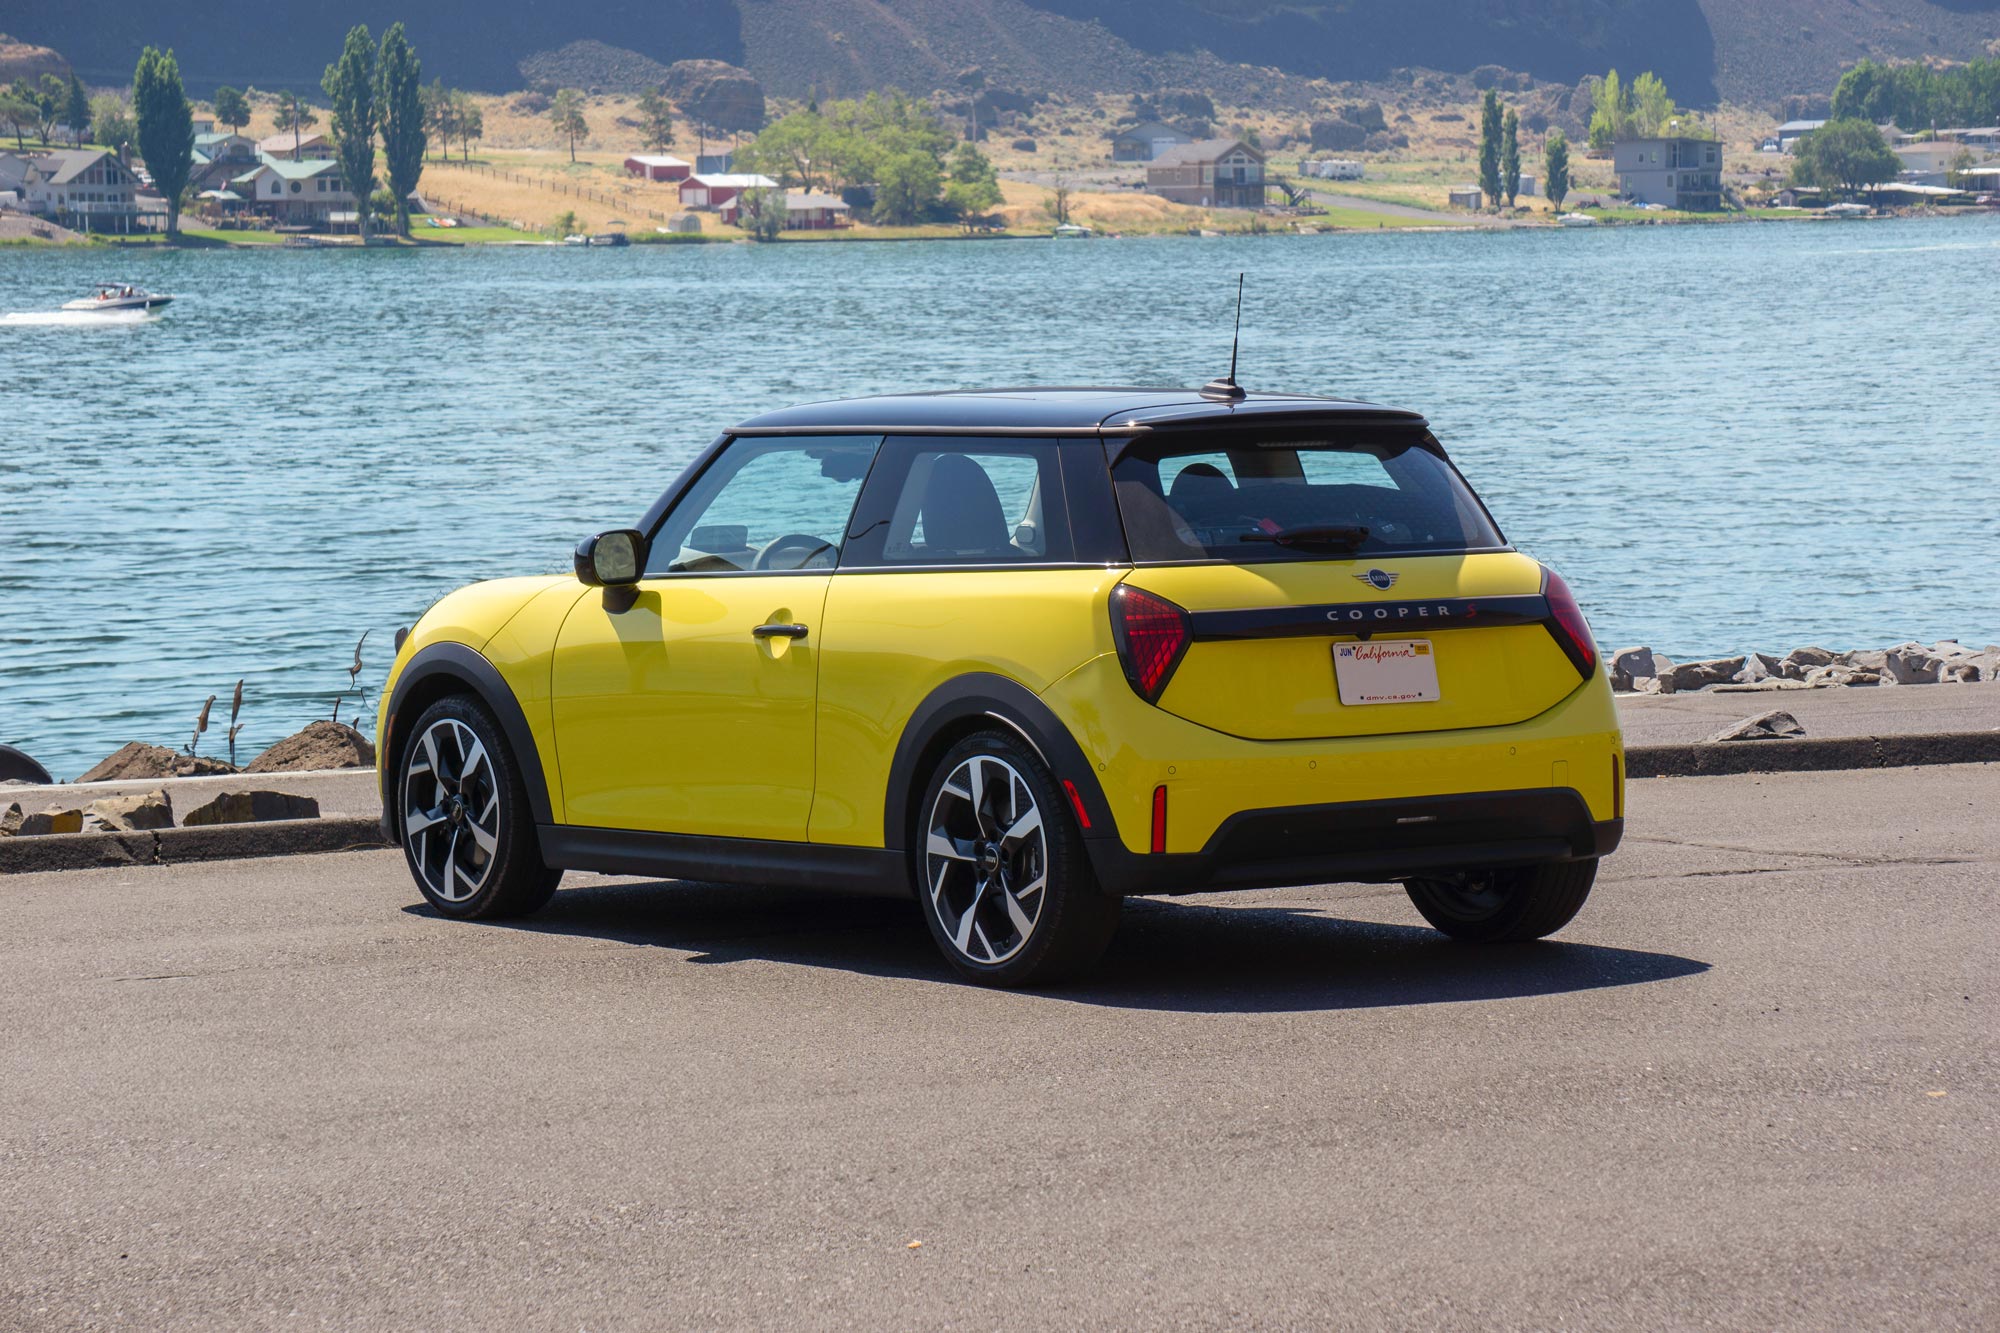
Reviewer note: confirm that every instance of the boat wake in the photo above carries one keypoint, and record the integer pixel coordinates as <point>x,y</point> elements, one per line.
<point>82,319</point>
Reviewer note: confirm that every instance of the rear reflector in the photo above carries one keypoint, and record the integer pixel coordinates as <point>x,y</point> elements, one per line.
<point>1152,636</point>
<point>1076,803</point>
<point>1617,788</point>
<point>1566,623</point>
<point>1159,819</point>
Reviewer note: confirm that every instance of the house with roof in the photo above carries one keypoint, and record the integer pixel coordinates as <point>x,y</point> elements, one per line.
<point>88,189</point>
<point>292,193</point>
<point>658,167</point>
<point>1210,173</point>
<point>218,158</point>
<point>1792,131</point>
<point>295,147</point>
<point>1145,141</point>
<point>1672,172</point>
<point>720,189</point>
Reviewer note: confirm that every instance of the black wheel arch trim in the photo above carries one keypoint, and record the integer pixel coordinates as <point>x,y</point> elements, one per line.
<point>995,698</point>
<point>457,661</point>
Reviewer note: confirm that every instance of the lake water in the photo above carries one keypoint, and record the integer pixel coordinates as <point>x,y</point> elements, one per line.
<point>1724,437</point>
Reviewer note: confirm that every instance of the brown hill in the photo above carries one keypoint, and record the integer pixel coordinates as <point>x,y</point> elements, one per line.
<point>23,60</point>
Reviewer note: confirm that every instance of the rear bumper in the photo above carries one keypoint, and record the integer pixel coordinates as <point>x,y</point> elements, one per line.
<point>1368,841</point>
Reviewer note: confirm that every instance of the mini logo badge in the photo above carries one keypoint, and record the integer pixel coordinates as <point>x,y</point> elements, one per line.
<point>1379,578</point>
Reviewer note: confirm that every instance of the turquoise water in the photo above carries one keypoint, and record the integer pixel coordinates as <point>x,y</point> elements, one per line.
<point>1724,437</point>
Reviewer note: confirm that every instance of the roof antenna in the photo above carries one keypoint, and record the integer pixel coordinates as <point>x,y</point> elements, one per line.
<point>1227,389</point>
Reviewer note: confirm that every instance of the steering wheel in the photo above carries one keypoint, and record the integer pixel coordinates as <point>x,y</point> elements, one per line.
<point>791,541</point>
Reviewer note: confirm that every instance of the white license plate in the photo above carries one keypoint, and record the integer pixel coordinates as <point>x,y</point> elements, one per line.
<point>1386,671</point>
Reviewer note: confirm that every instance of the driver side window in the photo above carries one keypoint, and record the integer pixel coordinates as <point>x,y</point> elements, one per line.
<point>766,506</point>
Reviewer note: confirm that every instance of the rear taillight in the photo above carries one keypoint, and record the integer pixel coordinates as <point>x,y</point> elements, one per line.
<point>1566,623</point>
<point>1152,636</point>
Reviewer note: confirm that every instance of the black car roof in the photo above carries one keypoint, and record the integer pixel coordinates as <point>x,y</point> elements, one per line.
<point>1057,411</point>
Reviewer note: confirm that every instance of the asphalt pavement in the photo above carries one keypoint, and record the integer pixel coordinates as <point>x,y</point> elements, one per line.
<point>1753,1085</point>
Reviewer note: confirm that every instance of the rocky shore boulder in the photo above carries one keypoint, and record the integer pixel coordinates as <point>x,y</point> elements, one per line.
<point>717,94</point>
<point>251,807</point>
<point>139,760</point>
<point>55,819</point>
<point>322,744</point>
<point>1774,725</point>
<point>123,814</point>
<point>1695,675</point>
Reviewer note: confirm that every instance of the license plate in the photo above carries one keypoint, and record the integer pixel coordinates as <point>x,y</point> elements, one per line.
<point>1386,671</point>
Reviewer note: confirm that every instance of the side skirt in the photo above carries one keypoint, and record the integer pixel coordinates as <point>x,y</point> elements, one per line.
<point>873,871</point>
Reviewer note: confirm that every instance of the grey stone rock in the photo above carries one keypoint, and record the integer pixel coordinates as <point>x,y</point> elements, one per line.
<point>1631,665</point>
<point>10,819</point>
<point>1696,675</point>
<point>55,819</point>
<point>1867,659</point>
<point>1839,673</point>
<point>139,810</point>
<point>1760,666</point>
<point>1774,725</point>
<point>251,807</point>
<point>1807,658</point>
<point>1911,664</point>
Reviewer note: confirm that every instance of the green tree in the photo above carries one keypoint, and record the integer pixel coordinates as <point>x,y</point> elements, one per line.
<point>1844,156</point>
<point>76,111</point>
<point>440,120</point>
<point>1555,166</point>
<point>1489,147</point>
<point>49,95</point>
<point>906,189</point>
<point>1652,109</point>
<point>110,122</point>
<point>232,108</point>
<point>656,120</point>
<point>797,150</point>
<point>565,223</point>
<point>165,128</point>
<point>566,114</point>
<point>974,188</point>
<point>295,115</point>
<point>1510,155</point>
<point>471,121</point>
<point>400,97</point>
<point>761,213</point>
<point>1610,113</point>
<point>18,112</point>
<point>349,84</point>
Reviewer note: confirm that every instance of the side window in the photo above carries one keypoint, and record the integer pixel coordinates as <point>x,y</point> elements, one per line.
<point>766,506</point>
<point>947,501</point>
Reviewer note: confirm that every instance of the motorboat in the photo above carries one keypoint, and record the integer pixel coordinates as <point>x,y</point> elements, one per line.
<point>1849,211</point>
<point>1577,220</point>
<point>118,296</point>
<point>1072,231</point>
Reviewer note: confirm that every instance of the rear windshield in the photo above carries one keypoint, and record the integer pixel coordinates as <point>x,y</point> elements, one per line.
<point>1243,498</point>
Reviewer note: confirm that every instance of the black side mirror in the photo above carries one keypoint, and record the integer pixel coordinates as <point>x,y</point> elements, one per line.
<point>611,559</point>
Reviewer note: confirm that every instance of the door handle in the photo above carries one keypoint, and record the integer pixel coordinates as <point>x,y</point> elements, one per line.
<point>780,630</point>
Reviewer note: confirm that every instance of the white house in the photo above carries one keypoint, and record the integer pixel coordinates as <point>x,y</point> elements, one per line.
<point>296,193</point>
<point>85,188</point>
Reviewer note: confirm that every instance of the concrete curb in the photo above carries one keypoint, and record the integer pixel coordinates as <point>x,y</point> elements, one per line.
<point>213,842</point>
<point>291,837</point>
<point>1811,755</point>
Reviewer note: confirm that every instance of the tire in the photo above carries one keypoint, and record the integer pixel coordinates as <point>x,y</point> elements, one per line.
<point>994,849</point>
<point>469,836</point>
<point>1499,906</point>
<point>15,766</point>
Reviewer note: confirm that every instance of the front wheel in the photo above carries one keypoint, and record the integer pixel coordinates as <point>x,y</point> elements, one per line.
<point>1002,876</point>
<point>1496,906</point>
<point>468,833</point>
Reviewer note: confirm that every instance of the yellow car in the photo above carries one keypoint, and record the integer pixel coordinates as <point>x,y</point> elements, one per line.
<point>1019,654</point>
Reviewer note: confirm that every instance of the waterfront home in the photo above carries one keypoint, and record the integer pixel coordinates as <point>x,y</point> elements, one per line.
<point>717,190</point>
<point>809,210</point>
<point>13,173</point>
<point>1209,173</point>
<point>309,145</point>
<point>658,167</point>
<point>1673,172</point>
<point>1145,141</point>
<point>295,193</point>
<point>88,189</point>
<point>220,158</point>
<point>1927,163</point>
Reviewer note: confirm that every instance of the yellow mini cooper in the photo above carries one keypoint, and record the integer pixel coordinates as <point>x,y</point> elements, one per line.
<point>1019,654</point>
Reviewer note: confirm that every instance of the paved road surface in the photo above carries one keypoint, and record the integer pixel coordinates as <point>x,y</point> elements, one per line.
<point>1754,1085</point>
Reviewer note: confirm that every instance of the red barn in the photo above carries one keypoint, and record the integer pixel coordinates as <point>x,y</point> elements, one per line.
<point>658,168</point>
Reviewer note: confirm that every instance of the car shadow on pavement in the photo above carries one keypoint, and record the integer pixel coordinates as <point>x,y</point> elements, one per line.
<point>1196,956</point>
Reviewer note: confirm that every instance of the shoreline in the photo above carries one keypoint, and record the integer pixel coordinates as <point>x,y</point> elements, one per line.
<point>212,239</point>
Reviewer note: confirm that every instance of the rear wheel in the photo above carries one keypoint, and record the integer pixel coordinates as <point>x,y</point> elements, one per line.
<point>468,834</point>
<point>1495,906</point>
<point>1003,879</point>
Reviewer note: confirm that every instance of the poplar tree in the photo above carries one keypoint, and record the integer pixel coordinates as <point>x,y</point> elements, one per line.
<point>1510,155</point>
<point>1489,147</point>
<point>401,98</point>
<point>77,112</point>
<point>349,84</point>
<point>1555,166</point>
<point>232,108</point>
<point>166,128</point>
